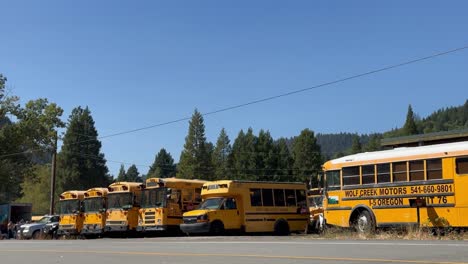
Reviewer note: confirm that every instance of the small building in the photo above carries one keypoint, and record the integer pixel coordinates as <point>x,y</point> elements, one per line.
<point>14,212</point>
<point>425,139</point>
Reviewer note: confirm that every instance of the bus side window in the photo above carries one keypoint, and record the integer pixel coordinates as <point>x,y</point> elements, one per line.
<point>230,204</point>
<point>434,169</point>
<point>198,198</point>
<point>255,197</point>
<point>301,197</point>
<point>462,165</point>
<point>290,197</point>
<point>279,197</point>
<point>267,197</point>
<point>187,195</point>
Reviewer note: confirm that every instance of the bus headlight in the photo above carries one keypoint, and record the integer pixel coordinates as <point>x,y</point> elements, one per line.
<point>202,218</point>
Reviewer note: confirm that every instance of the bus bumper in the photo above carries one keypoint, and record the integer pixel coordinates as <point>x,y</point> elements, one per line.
<point>195,228</point>
<point>67,232</point>
<point>151,228</point>
<point>92,230</point>
<point>116,228</point>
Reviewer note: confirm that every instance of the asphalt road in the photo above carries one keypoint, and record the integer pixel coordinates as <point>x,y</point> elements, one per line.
<point>225,250</point>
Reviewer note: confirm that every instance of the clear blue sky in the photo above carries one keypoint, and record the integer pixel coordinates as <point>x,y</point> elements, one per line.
<point>138,63</point>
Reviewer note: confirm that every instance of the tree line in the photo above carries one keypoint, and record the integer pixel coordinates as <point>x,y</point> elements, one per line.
<point>28,133</point>
<point>445,119</point>
<point>250,157</point>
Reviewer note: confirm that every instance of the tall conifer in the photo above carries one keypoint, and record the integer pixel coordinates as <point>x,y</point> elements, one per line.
<point>122,174</point>
<point>195,160</point>
<point>81,165</point>
<point>410,125</point>
<point>307,157</point>
<point>163,165</point>
<point>220,157</point>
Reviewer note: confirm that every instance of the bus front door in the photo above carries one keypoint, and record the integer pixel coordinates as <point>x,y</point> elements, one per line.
<point>231,214</point>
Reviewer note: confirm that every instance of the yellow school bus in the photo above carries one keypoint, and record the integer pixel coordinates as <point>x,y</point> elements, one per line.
<point>423,186</point>
<point>315,200</point>
<point>123,203</point>
<point>249,207</point>
<point>94,205</point>
<point>71,213</point>
<point>164,200</point>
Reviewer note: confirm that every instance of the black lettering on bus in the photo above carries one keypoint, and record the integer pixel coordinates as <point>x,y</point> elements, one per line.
<point>386,202</point>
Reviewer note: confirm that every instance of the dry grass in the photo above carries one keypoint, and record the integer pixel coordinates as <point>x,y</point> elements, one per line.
<point>406,233</point>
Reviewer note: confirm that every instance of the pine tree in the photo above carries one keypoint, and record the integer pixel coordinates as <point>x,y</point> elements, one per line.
<point>285,162</point>
<point>133,175</point>
<point>410,125</point>
<point>243,156</point>
<point>356,147</point>
<point>235,158</point>
<point>307,157</point>
<point>220,157</point>
<point>163,165</point>
<point>122,174</point>
<point>195,161</point>
<point>266,157</point>
<point>81,165</point>
<point>373,144</point>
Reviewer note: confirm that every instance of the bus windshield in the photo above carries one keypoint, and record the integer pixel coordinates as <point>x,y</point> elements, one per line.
<point>119,200</point>
<point>212,203</point>
<point>315,200</point>
<point>69,206</point>
<point>153,198</point>
<point>94,204</point>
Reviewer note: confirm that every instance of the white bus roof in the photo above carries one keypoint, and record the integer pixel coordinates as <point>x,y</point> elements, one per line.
<point>442,150</point>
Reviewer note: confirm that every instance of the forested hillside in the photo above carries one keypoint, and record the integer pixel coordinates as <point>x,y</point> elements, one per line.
<point>450,118</point>
<point>445,119</point>
<point>335,145</point>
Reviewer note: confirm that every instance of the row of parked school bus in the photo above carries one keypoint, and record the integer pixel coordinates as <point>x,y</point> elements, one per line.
<point>190,206</point>
<point>423,186</point>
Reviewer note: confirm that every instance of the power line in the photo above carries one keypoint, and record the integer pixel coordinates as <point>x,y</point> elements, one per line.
<point>276,96</point>
<point>19,153</point>
<point>243,171</point>
<point>167,165</point>
<point>288,93</point>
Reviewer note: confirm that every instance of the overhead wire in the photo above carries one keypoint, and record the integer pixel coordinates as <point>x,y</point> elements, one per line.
<point>292,92</point>
<point>386,68</point>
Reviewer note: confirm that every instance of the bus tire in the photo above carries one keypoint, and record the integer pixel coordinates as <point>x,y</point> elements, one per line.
<point>281,228</point>
<point>364,224</point>
<point>217,228</point>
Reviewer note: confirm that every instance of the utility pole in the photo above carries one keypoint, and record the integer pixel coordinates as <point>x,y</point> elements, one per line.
<point>52,176</point>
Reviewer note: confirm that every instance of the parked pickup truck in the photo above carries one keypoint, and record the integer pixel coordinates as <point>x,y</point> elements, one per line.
<point>35,230</point>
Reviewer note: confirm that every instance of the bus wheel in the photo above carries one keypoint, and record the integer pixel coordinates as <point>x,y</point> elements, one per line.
<point>217,228</point>
<point>281,228</point>
<point>364,223</point>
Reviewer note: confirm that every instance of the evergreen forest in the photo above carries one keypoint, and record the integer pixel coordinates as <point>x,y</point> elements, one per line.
<point>29,135</point>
